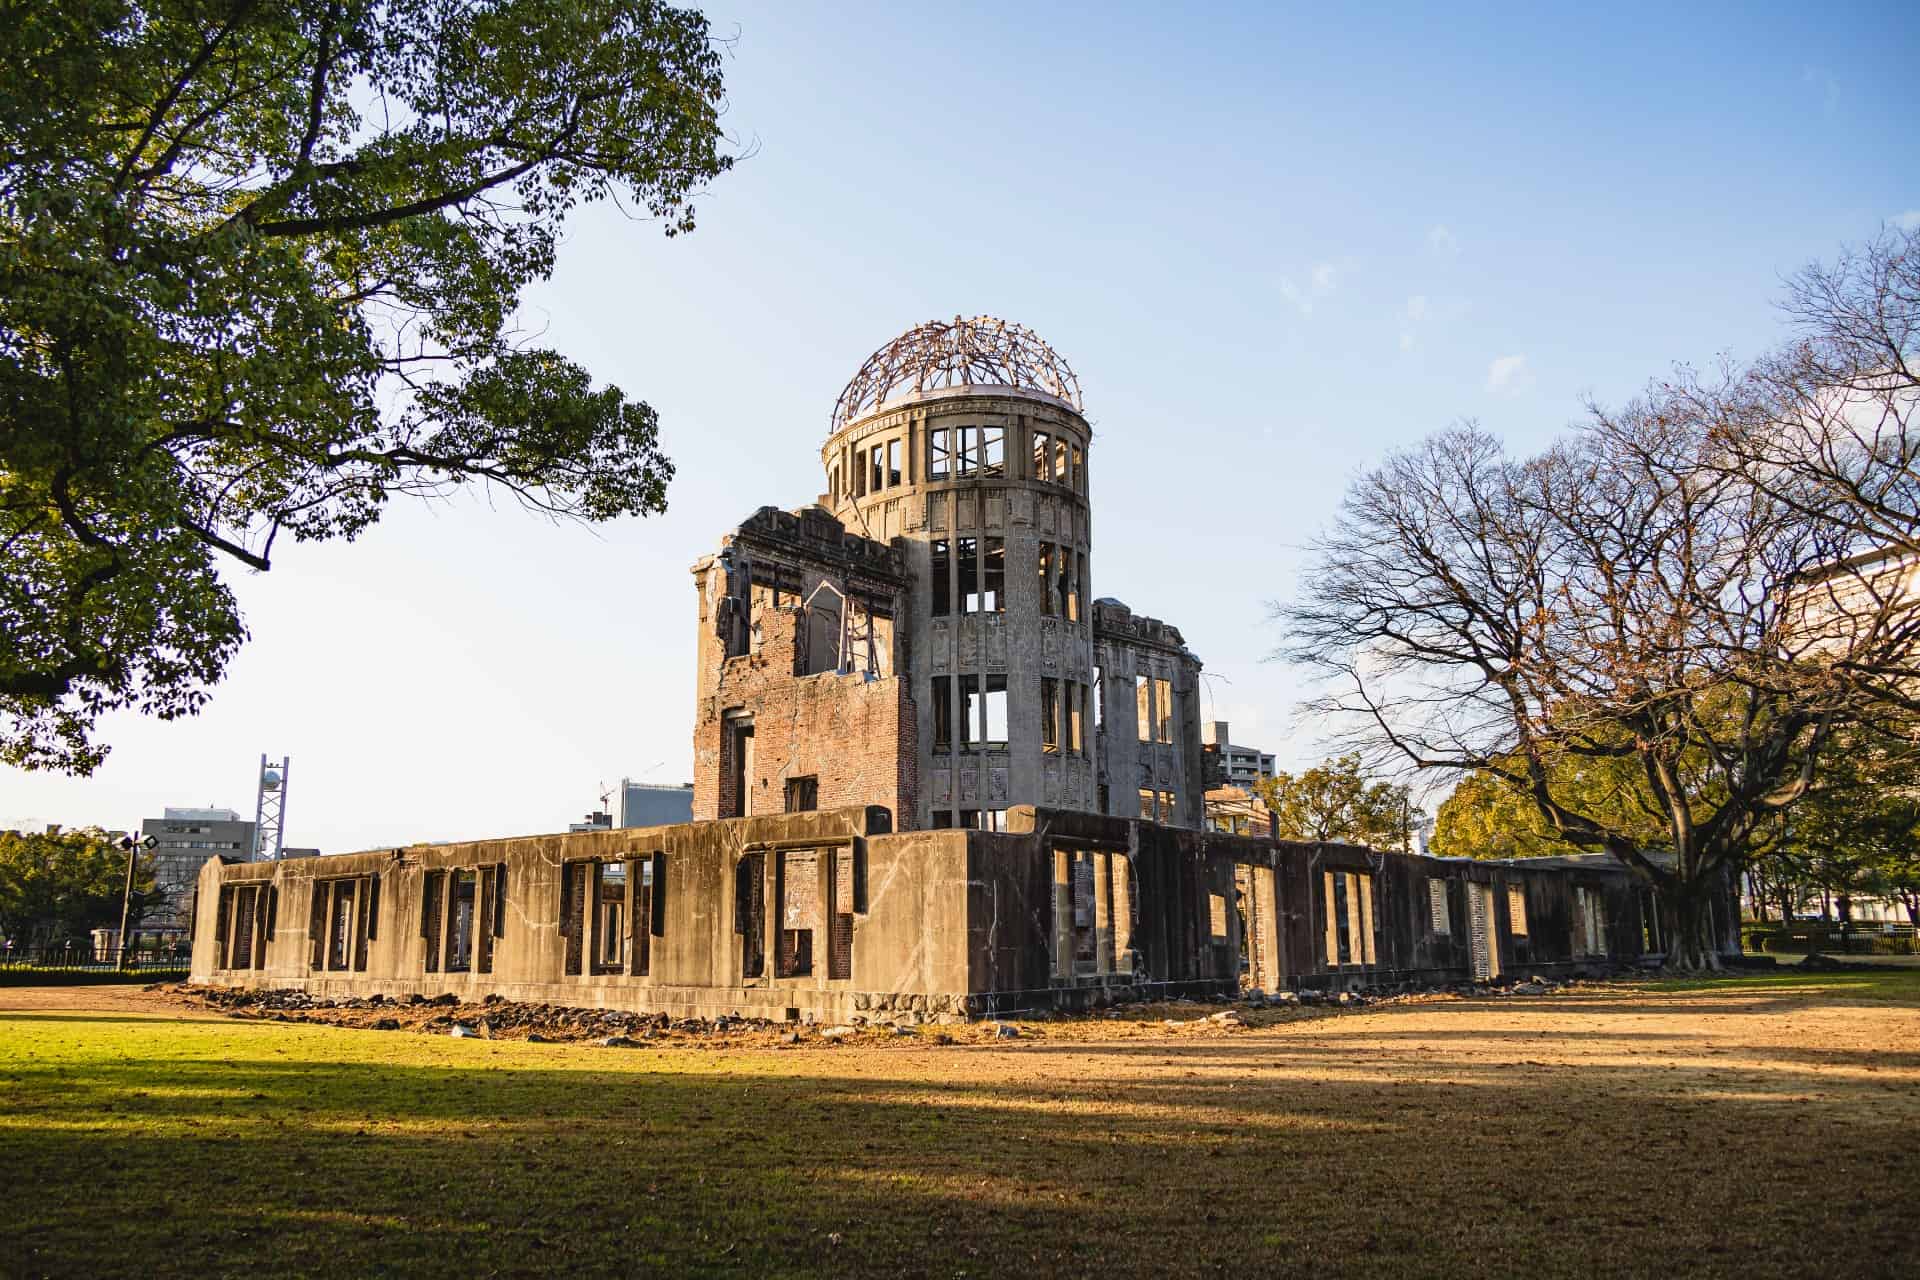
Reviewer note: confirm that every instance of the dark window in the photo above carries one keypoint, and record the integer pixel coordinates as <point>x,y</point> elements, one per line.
<point>803,794</point>
<point>942,696</point>
<point>1079,586</point>
<point>1046,578</point>
<point>573,911</point>
<point>493,915</point>
<point>937,571</point>
<point>969,575</point>
<point>1049,715</point>
<point>432,898</point>
<point>340,930</point>
<point>737,778</point>
<point>749,902</point>
<point>877,474</point>
<point>1060,473</point>
<point>1042,457</point>
<point>1079,469</point>
<point>1063,562</point>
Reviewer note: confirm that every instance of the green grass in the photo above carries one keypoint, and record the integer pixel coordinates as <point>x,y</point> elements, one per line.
<point>1476,1137</point>
<point>1890,984</point>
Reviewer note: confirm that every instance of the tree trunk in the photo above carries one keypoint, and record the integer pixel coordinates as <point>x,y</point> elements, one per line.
<point>1687,922</point>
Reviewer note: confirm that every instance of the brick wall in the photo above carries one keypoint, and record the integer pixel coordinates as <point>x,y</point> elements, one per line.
<point>856,736</point>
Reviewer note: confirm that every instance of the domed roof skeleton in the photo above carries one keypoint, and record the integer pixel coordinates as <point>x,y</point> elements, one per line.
<point>983,351</point>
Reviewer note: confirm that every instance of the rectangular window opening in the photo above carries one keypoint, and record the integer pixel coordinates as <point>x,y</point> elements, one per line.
<point>1049,715</point>
<point>940,556</point>
<point>969,575</point>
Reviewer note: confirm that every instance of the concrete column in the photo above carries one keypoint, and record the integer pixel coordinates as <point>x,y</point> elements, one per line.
<point>1122,898</point>
<point>1103,913</point>
<point>1062,914</point>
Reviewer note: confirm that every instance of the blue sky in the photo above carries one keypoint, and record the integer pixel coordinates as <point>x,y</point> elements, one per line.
<point>1274,242</point>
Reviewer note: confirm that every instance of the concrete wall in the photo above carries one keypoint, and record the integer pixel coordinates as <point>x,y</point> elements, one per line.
<point>1066,909</point>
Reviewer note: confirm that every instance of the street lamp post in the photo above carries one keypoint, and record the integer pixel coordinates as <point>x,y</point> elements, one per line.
<point>133,845</point>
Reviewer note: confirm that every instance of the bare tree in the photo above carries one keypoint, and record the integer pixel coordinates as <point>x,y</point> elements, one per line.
<point>1629,595</point>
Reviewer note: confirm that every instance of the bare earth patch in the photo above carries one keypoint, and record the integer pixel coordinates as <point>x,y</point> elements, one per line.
<point>1759,1126</point>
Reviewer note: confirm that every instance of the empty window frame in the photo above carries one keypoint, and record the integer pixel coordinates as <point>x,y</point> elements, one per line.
<point>1079,585</point>
<point>1437,910</point>
<point>798,889</point>
<point>803,794</point>
<point>1163,710</point>
<point>609,917</point>
<point>245,925</point>
<point>1046,562</point>
<point>1097,715</point>
<point>1146,804</point>
<point>969,556</point>
<point>840,922</point>
<point>1079,470</point>
<point>993,578</point>
<point>939,454</point>
<point>1517,909</point>
<point>876,468</point>
<point>942,698</point>
<point>893,464</point>
<point>648,877</point>
<point>966,447</point>
<point>986,710</point>
<point>344,916</point>
<point>993,452</point>
<point>1589,923</point>
<point>493,915</point>
<point>1061,473</point>
<point>1042,456</point>
<point>1076,706</point>
<point>1168,806</point>
<point>1349,918</point>
<point>462,910</point>
<point>1049,715</point>
<point>940,558</point>
<point>833,484</point>
<point>1143,706</point>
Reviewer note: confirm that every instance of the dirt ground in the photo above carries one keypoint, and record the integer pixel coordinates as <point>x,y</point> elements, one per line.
<point>1750,1127</point>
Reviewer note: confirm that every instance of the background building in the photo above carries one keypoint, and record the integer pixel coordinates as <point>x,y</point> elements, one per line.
<point>1237,766</point>
<point>184,838</point>
<point>650,804</point>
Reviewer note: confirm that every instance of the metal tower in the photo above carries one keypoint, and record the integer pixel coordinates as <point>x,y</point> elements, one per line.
<point>270,810</point>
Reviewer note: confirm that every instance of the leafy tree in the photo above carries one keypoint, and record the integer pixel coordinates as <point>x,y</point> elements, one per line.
<point>258,269</point>
<point>1333,801</point>
<point>59,885</point>
<point>1858,831</point>
<point>1486,816</point>
<point>1640,593</point>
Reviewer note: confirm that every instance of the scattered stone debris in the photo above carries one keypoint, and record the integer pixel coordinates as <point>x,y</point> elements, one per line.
<point>1001,1031</point>
<point>618,1042</point>
<point>461,1031</point>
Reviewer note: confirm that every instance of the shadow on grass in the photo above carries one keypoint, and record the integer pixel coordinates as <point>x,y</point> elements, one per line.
<point>203,1154</point>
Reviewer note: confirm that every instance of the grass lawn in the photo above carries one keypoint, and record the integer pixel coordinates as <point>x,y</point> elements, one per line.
<point>1752,1127</point>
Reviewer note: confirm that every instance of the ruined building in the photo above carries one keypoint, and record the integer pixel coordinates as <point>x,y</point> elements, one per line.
<point>926,638</point>
<point>935,777</point>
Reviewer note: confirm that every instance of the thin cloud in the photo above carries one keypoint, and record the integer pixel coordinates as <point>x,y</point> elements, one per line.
<point>1322,280</point>
<point>1508,375</point>
<point>1411,317</point>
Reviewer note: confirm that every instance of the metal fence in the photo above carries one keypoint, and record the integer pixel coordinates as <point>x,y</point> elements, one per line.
<point>81,957</point>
